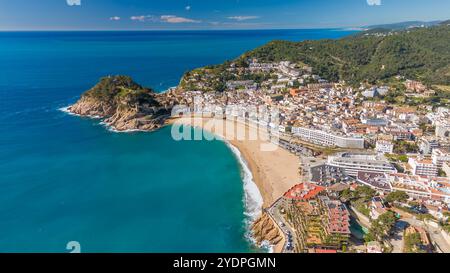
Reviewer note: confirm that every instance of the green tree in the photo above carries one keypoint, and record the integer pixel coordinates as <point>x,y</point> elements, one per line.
<point>403,147</point>
<point>382,227</point>
<point>364,193</point>
<point>413,243</point>
<point>397,196</point>
<point>346,195</point>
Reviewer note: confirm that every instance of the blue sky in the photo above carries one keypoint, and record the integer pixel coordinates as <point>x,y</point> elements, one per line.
<point>212,14</point>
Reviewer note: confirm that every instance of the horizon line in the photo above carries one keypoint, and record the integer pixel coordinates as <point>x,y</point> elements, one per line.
<point>350,28</point>
<point>144,30</point>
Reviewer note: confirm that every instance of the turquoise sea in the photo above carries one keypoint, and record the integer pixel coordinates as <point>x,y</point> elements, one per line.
<point>65,178</point>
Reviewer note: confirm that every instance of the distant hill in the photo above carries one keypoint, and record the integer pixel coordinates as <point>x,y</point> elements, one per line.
<point>404,25</point>
<point>420,53</point>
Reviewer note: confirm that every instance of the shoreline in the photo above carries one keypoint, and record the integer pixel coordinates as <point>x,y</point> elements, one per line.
<point>273,172</point>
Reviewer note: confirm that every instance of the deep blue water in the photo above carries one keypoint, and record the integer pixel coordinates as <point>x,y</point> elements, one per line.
<point>64,178</point>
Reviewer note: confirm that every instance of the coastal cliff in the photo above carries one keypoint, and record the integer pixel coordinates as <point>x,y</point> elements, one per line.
<point>264,229</point>
<point>124,105</point>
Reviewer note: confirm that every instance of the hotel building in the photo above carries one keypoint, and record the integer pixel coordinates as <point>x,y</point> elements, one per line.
<point>323,138</point>
<point>354,163</point>
<point>423,167</point>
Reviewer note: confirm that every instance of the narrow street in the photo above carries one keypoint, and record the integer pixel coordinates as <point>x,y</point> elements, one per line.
<point>397,240</point>
<point>274,212</point>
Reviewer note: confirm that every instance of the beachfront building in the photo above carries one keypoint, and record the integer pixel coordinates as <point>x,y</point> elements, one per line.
<point>352,163</point>
<point>327,139</point>
<point>384,147</point>
<point>303,192</point>
<point>424,167</point>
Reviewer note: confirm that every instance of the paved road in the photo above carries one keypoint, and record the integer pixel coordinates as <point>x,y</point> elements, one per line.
<point>397,240</point>
<point>274,212</point>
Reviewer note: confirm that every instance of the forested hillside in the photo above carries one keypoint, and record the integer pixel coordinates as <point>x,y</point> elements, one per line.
<point>422,54</point>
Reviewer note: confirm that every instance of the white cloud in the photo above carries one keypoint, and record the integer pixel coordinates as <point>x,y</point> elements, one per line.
<point>374,2</point>
<point>73,2</point>
<point>177,20</point>
<point>143,18</point>
<point>114,18</point>
<point>188,8</point>
<point>243,18</point>
<point>173,19</point>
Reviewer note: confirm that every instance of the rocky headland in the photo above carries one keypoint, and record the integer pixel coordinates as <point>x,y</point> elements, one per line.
<point>124,105</point>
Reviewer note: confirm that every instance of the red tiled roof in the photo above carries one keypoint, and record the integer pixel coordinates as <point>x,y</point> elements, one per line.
<point>300,192</point>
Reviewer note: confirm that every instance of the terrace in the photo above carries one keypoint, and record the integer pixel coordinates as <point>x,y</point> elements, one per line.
<point>374,180</point>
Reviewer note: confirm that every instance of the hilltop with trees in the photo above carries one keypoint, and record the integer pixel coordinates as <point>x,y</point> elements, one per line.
<point>422,54</point>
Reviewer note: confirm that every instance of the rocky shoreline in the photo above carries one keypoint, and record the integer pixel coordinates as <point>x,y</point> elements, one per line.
<point>265,230</point>
<point>124,105</point>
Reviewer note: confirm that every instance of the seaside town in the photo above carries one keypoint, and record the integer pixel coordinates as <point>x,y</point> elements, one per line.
<point>375,170</point>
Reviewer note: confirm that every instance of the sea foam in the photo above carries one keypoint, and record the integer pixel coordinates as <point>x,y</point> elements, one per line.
<point>252,196</point>
<point>66,110</point>
<point>253,199</point>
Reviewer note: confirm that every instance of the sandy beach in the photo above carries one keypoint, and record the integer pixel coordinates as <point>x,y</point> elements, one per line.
<point>274,171</point>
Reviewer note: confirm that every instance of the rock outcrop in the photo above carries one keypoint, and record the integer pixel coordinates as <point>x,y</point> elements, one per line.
<point>124,105</point>
<point>264,229</point>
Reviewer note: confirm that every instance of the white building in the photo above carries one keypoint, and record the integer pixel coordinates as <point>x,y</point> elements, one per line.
<point>423,167</point>
<point>426,145</point>
<point>323,138</point>
<point>443,129</point>
<point>421,187</point>
<point>384,147</point>
<point>446,169</point>
<point>352,163</point>
<point>440,156</point>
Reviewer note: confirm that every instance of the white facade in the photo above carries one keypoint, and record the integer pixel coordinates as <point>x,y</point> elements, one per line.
<point>443,130</point>
<point>426,146</point>
<point>384,147</point>
<point>327,139</point>
<point>440,156</point>
<point>446,168</point>
<point>352,163</point>
<point>423,167</point>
